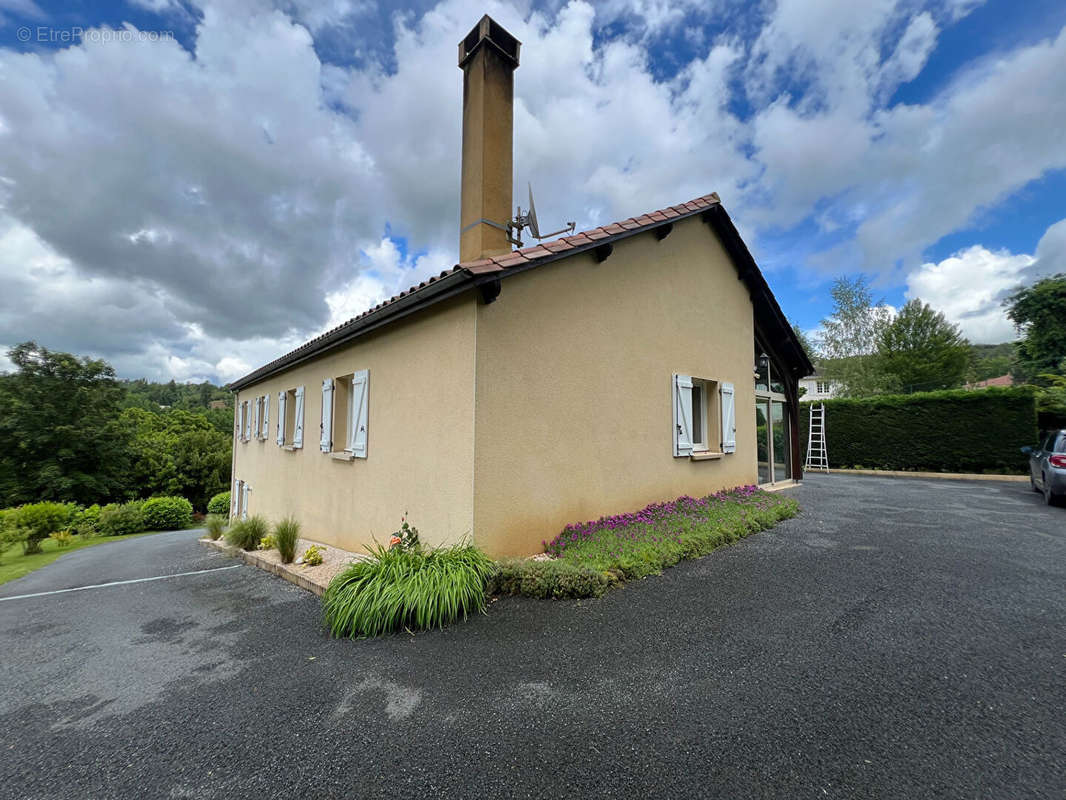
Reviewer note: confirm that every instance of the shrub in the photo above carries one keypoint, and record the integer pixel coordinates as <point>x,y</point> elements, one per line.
<point>247,533</point>
<point>267,542</point>
<point>219,504</point>
<point>167,513</point>
<point>312,556</point>
<point>119,520</point>
<point>553,579</point>
<point>10,536</point>
<point>399,588</point>
<point>61,538</point>
<point>215,525</point>
<point>949,431</point>
<point>86,522</point>
<point>287,536</point>
<point>39,521</point>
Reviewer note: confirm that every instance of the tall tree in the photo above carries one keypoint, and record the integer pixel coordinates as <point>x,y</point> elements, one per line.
<point>921,351</point>
<point>1039,314</point>
<point>59,429</point>
<point>848,341</point>
<point>808,345</point>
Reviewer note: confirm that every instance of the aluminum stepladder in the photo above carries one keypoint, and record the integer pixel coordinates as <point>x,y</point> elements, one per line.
<point>817,456</point>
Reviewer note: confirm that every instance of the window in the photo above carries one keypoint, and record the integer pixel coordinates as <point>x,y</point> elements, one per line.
<point>262,417</point>
<point>244,422</point>
<point>290,426</point>
<point>345,401</point>
<point>704,416</point>
<point>822,387</point>
<point>239,500</point>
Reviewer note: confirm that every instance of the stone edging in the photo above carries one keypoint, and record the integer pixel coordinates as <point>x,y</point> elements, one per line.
<point>958,476</point>
<point>253,558</point>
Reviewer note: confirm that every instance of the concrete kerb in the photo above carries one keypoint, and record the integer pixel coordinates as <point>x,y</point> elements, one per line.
<point>955,476</point>
<point>290,572</point>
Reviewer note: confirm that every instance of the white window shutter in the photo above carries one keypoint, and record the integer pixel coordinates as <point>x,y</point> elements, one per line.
<point>244,505</point>
<point>357,425</point>
<point>298,419</point>
<point>235,501</point>
<point>729,419</point>
<point>244,421</point>
<point>326,441</point>
<point>255,417</point>
<point>265,428</point>
<point>682,415</point>
<point>281,419</point>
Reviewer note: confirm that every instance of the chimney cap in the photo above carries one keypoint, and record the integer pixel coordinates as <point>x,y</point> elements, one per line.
<point>489,32</point>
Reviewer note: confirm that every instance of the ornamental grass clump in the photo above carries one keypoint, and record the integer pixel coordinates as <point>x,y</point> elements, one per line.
<point>286,537</point>
<point>645,542</point>
<point>216,526</point>
<point>247,533</point>
<point>398,588</point>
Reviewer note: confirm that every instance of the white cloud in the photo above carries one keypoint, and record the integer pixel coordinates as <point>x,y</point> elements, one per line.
<point>198,212</point>
<point>969,286</point>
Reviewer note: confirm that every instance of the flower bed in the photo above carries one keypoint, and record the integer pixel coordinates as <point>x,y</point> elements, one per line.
<point>645,542</point>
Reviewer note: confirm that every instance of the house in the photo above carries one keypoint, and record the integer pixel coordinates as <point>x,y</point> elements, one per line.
<point>817,386</point>
<point>1002,380</point>
<point>524,389</point>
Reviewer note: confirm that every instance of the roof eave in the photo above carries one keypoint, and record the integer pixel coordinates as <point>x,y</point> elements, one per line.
<point>452,284</point>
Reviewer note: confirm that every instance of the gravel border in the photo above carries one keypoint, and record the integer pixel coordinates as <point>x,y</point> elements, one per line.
<point>312,578</point>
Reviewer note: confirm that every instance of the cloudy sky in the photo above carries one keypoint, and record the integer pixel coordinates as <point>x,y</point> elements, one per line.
<point>189,188</point>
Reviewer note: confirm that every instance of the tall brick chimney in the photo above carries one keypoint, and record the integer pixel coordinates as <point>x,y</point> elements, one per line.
<point>488,57</point>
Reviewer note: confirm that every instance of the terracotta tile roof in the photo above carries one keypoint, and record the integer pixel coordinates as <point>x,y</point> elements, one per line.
<point>1002,380</point>
<point>485,266</point>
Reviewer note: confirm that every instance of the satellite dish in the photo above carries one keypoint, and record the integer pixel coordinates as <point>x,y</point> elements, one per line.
<point>529,220</point>
<point>531,217</point>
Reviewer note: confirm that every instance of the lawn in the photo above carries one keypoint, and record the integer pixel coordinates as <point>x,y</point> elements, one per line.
<point>13,564</point>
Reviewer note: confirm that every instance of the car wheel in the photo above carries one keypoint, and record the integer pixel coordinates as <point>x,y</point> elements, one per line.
<point>1050,498</point>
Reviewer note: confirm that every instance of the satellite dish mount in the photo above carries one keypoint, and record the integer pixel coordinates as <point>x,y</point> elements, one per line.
<point>529,220</point>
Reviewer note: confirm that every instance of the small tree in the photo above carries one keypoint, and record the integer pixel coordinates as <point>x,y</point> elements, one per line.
<point>921,351</point>
<point>1039,314</point>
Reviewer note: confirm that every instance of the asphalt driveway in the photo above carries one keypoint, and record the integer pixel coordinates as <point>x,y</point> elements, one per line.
<point>901,638</point>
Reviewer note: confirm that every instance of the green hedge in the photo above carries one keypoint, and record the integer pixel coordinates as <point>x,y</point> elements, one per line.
<point>948,431</point>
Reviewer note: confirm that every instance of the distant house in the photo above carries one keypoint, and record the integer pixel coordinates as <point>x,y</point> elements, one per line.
<point>214,404</point>
<point>818,387</point>
<point>524,389</point>
<point>1002,380</point>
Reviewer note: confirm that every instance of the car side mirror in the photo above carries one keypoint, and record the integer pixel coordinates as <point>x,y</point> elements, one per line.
<point>1027,450</point>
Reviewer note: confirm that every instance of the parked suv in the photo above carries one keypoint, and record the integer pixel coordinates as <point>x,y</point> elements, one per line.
<point>1047,466</point>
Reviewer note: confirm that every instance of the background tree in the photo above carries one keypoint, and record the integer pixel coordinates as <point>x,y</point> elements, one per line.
<point>809,346</point>
<point>989,361</point>
<point>59,427</point>
<point>919,350</point>
<point>1039,314</point>
<point>177,453</point>
<point>848,342</point>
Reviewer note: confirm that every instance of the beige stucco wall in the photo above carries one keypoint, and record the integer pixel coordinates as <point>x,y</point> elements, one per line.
<point>420,437</point>
<point>575,361</point>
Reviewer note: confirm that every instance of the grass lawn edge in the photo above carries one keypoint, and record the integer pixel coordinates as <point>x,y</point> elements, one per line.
<point>15,565</point>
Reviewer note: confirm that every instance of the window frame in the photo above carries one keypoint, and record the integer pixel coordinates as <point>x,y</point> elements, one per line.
<point>706,417</point>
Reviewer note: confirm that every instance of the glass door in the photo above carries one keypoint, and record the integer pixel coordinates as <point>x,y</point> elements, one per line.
<point>781,449</point>
<point>762,437</point>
